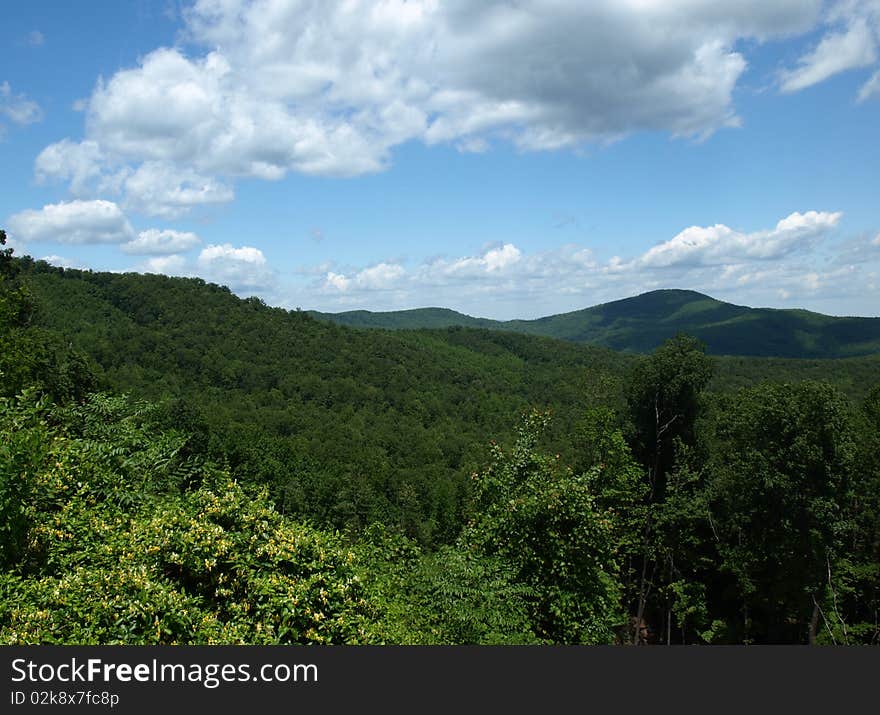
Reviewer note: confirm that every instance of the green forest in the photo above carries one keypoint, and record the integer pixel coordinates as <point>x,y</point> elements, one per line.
<point>643,322</point>
<point>182,466</point>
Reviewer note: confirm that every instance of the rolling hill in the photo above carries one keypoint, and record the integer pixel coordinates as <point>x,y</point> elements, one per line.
<point>350,427</point>
<point>641,323</point>
<point>347,427</point>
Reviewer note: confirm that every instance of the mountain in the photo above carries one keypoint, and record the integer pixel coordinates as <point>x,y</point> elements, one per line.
<point>641,323</point>
<point>409,319</point>
<point>346,427</point>
<point>279,460</point>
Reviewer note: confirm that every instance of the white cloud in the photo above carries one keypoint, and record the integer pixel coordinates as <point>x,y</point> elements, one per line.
<point>36,38</point>
<point>240,268</point>
<point>719,244</point>
<point>79,163</point>
<point>331,88</point>
<point>790,281</point>
<point>159,189</point>
<point>379,277</point>
<point>498,272</point>
<point>155,242</point>
<point>166,265</point>
<point>17,107</point>
<point>62,262</point>
<point>493,259</point>
<point>851,48</point>
<point>503,281</point>
<point>73,222</point>
<point>851,41</point>
<point>337,281</point>
<point>382,276</point>
<point>871,88</point>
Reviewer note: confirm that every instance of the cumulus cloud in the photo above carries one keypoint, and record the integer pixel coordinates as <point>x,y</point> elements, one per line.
<point>382,276</point>
<point>73,222</point>
<point>494,259</point>
<point>36,38</point>
<point>503,281</point>
<point>77,162</point>
<point>851,41</point>
<point>719,244</point>
<point>17,108</point>
<point>160,189</point>
<point>499,272</point>
<point>331,88</point>
<point>166,265</point>
<point>240,268</point>
<point>155,242</point>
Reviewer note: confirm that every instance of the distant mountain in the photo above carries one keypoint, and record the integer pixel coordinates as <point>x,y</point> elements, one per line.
<point>408,319</point>
<point>641,323</point>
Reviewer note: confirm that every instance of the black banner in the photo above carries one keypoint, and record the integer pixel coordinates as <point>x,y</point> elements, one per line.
<point>130,679</point>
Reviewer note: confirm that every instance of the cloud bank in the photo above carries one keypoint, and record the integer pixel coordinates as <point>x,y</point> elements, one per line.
<point>790,262</point>
<point>329,88</point>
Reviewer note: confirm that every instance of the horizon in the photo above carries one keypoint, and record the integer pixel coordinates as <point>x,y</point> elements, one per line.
<point>586,307</point>
<point>725,148</point>
<point>481,317</point>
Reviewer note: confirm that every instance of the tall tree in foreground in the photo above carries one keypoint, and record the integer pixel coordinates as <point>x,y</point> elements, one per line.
<point>782,480</point>
<point>543,521</point>
<point>663,395</point>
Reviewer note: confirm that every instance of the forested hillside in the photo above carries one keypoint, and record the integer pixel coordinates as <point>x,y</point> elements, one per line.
<point>348,427</point>
<point>183,466</point>
<point>642,323</point>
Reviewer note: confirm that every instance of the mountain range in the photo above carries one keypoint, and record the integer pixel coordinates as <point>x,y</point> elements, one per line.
<point>641,323</point>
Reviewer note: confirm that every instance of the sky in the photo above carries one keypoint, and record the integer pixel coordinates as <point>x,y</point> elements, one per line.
<point>504,159</point>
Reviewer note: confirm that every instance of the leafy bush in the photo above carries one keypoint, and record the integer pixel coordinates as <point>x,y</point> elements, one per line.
<point>111,541</point>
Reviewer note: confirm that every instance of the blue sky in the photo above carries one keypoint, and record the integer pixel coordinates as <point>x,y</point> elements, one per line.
<point>503,159</point>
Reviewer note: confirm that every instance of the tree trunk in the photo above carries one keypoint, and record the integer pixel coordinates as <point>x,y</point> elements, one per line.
<point>814,623</point>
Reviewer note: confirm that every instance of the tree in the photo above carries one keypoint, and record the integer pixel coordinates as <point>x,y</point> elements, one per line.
<point>543,521</point>
<point>663,395</point>
<point>780,482</point>
<point>5,255</point>
<point>455,595</point>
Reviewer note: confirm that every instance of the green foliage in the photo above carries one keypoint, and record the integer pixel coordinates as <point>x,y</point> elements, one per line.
<point>347,428</point>
<point>872,408</point>
<point>685,515</point>
<point>663,393</point>
<point>543,520</point>
<point>30,356</point>
<point>431,318</point>
<point>644,322</point>
<point>780,479</point>
<point>22,451</point>
<point>452,596</point>
<point>123,543</point>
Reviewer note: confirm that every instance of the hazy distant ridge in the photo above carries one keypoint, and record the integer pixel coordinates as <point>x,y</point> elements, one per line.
<point>641,323</point>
